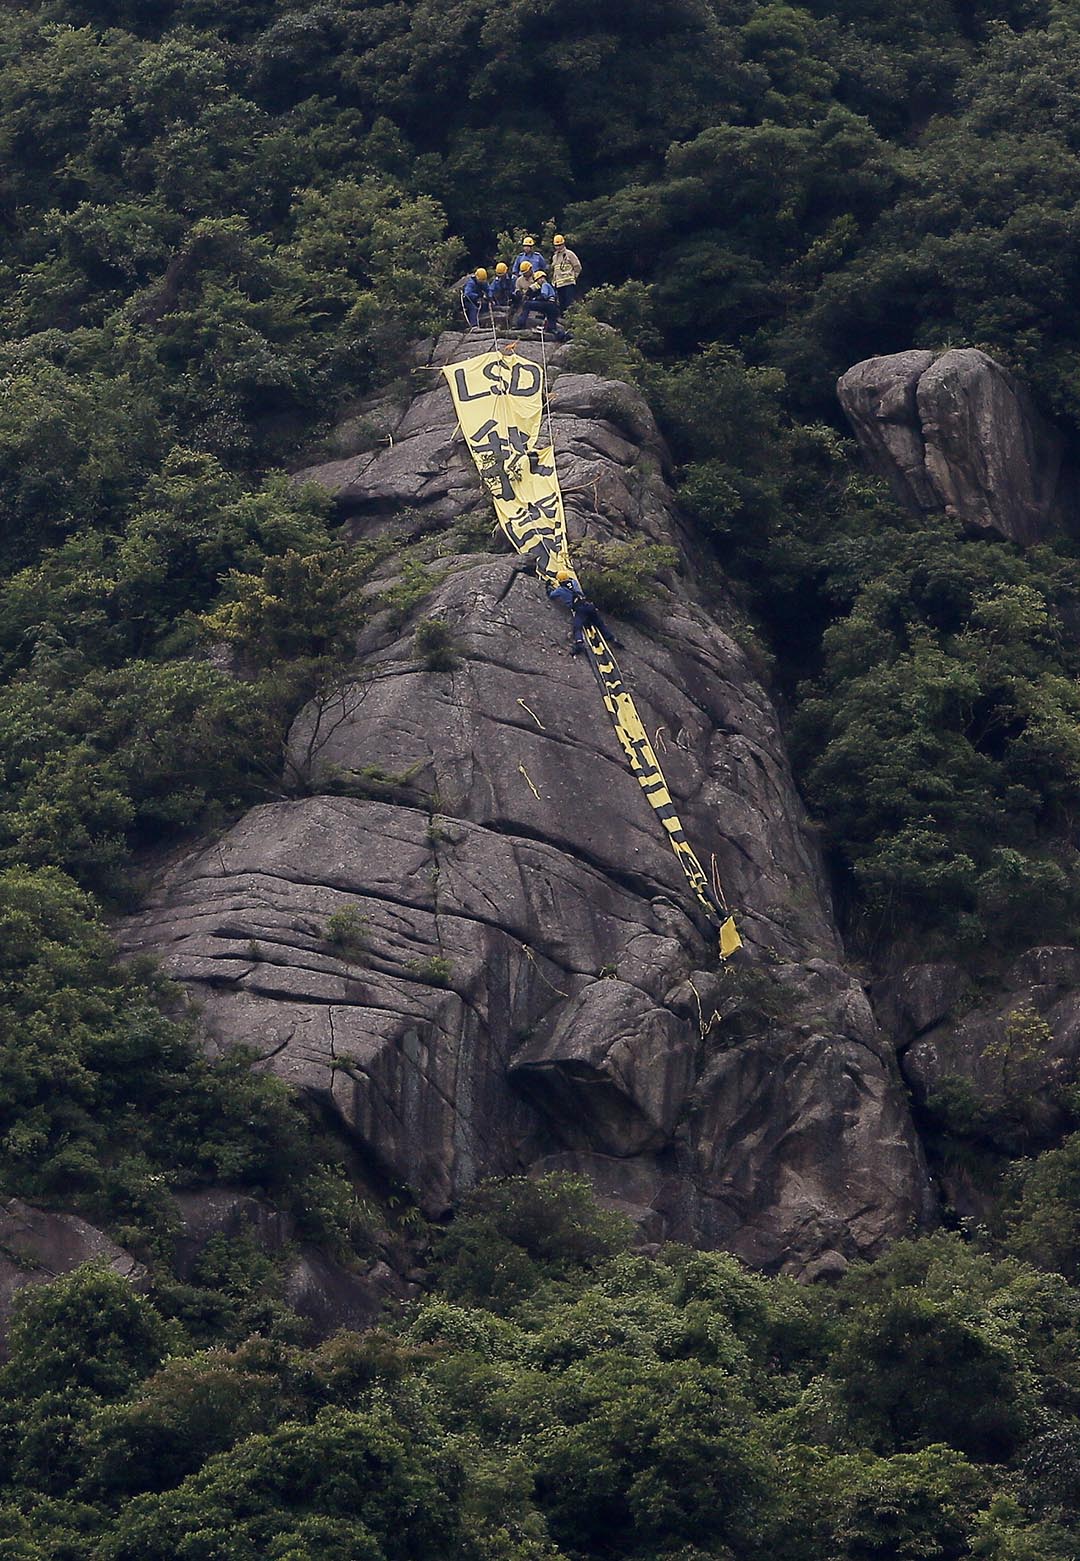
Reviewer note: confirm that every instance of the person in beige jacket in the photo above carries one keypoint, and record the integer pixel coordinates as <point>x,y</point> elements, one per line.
<point>565,270</point>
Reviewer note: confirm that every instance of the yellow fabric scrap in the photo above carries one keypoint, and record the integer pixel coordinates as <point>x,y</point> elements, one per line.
<point>729,938</point>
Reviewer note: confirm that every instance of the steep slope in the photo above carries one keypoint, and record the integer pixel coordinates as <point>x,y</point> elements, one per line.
<point>524,984</point>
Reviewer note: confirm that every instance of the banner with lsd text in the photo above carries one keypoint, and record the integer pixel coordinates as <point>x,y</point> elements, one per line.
<point>500,407</point>
<point>499,400</point>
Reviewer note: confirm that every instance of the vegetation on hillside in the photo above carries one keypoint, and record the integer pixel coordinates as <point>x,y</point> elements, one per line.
<point>223,222</point>
<point>555,1398</point>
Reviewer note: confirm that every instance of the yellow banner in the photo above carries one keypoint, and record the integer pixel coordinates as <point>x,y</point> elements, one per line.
<point>500,406</point>
<point>641,757</point>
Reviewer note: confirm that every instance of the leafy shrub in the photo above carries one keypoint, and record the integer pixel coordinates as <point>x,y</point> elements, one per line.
<point>940,739</point>
<point>509,1237</point>
<point>434,645</point>
<point>620,577</point>
<point>970,1395</point>
<point>599,348</point>
<point>436,970</point>
<point>105,1104</point>
<point>102,759</point>
<point>300,606</point>
<point>349,931</point>
<point>415,582</point>
<point>1042,1209</point>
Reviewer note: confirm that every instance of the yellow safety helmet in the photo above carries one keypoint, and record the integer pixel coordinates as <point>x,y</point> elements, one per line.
<point>539,273</point>
<point>563,575</point>
<point>480,274</point>
<point>558,239</point>
<point>526,265</point>
<point>528,241</point>
<point>501,268</point>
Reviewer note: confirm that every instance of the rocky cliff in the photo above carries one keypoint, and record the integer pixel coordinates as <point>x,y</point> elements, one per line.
<point>524,983</point>
<point>991,1066</point>
<point>956,432</point>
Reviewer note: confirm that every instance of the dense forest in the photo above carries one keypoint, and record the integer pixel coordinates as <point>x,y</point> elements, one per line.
<point>223,221</point>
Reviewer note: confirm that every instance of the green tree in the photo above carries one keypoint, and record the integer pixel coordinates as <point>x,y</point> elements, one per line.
<point>508,1237</point>
<point>78,1342</point>
<point>1042,1209</point>
<point>352,1484</point>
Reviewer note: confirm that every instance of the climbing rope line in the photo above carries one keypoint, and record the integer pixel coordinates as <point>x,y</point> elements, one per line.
<point>547,392</point>
<point>529,783</point>
<point>705,1025</point>
<point>529,955</point>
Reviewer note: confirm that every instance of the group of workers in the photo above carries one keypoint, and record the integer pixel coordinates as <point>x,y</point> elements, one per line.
<point>526,287</point>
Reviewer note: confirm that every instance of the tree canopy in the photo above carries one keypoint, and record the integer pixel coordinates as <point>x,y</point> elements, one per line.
<point>222,224</point>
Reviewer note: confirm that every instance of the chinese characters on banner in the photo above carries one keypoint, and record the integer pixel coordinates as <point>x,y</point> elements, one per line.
<point>500,407</point>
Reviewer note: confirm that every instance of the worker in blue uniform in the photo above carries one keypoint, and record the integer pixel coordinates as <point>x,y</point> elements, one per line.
<point>476,296</point>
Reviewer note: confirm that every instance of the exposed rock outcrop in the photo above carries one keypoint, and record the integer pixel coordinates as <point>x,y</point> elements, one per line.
<point>955,431</point>
<point>613,1067</point>
<point>526,983</point>
<point>37,1245</point>
<point>1012,1054</point>
<point>322,1292</point>
<point>918,996</point>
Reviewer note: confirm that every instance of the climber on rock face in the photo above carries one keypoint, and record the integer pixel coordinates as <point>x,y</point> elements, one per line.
<point>565,590</point>
<point>529,253</point>
<point>587,616</point>
<point>475,296</point>
<point>568,593</point>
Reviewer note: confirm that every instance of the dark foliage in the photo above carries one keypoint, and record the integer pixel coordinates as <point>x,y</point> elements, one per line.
<point>222,222</point>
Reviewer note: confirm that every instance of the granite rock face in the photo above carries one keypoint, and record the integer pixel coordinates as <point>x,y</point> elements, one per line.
<point>469,938</point>
<point>37,1245</point>
<point>878,396</point>
<point>319,1290</point>
<point>1012,1054</point>
<point>957,432</point>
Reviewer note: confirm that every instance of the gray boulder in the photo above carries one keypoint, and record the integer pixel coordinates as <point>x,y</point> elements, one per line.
<point>37,1245</point>
<point>328,1295</point>
<point>918,996</point>
<point>612,1071</point>
<point>879,398</point>
<point>954,431</point>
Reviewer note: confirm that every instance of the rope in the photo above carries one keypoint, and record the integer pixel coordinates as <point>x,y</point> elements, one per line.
<point>716,885</point>
<point>704,1025</point>
<point>547,394</point>
<point>531,787</point>
<point>527,951</point>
